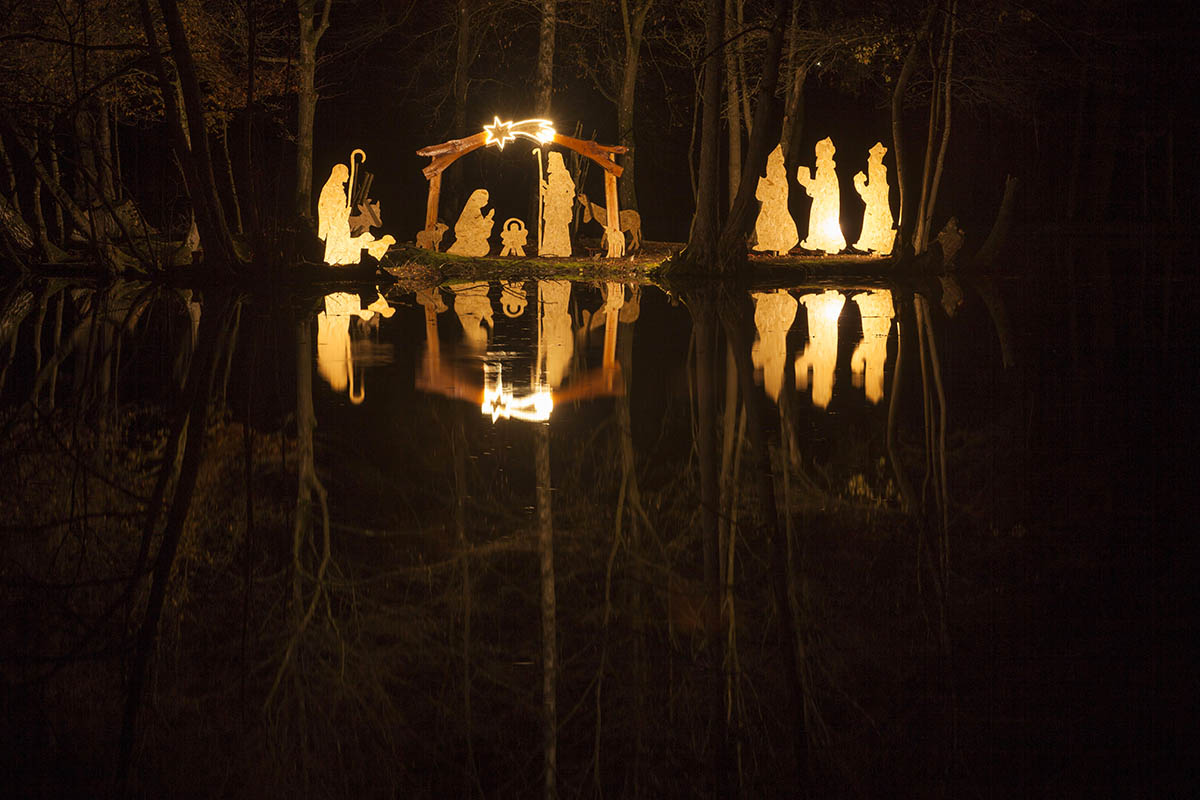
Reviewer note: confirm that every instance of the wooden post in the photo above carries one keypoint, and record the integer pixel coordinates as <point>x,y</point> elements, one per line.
<point>610,197</point>
<point>431,202</point>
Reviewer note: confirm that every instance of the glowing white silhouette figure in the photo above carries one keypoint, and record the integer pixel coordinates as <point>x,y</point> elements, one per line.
<point>820,352</point>
<point>333,223</point>
<point>870,357</point>
<point>474,311</point>
<point>472,230</point>
<point>877,235</point>
<point>432,239</point>
<point>513,236</point>
<point>775,230</point>
<point>824,229</point>
<point>629,220</point>
<point>774,313</point>
<point>559,192</point>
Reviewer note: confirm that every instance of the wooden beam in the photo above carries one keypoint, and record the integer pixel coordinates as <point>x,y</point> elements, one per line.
<point>431,202</point>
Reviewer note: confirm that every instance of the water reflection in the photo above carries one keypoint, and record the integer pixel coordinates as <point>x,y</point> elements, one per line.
<point>336,346</point>
<point>404,576</point>
<point>524,376</point>
<point>774,315</point>
<point>870,357</point>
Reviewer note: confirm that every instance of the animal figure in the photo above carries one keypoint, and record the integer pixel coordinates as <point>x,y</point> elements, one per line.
<point>432,239</point>
<point>630,220</point>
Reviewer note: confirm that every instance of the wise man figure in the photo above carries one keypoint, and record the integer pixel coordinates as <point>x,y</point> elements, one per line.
<point>877,233</point>
<point>824,229</point>
<point>558,193</point>
<point>333,224</point>
<point>472,230</point>
<point>774,230</point>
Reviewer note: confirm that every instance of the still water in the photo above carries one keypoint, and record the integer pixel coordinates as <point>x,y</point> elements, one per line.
<point>481,538</point>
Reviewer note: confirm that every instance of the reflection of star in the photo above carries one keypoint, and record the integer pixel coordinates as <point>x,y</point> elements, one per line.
<point>499,132</point>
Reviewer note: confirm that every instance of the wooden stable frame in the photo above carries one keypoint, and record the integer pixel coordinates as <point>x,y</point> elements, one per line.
<point>447,153</point>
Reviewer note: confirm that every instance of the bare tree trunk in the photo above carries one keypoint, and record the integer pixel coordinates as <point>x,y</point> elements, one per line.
<point>733,104</point>
<point>793,107</point>
<point>633,23</point>
<point>543,77</point>
<point>452,192</point>
<point>10,176</point>
<point>233,191</point>
<point>191,144</point>
<point>701,249</point>
<point>926,220</point>
<point>314,22</point>
<point>732,245</point>
<point>904,243</point>
<point>59,224</point>
<point>104,150</point>
<point>549,621</point>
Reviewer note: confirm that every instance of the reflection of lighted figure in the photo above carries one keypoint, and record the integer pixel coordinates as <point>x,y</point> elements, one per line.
<point>870,356</point>
<point>513,236</point>
<point>820,352</point>
<point>775,230</point>
<point>499,400</point>
<point>556,344</point>
<point>774,313</point>
<point>472,230</point>
<point>335,362</point>
<point>512,298</point>
<point>474,311</point>
<point>333,224</point>
<point>559,194</point>
<point>824,230</point>
<point>877,233</point>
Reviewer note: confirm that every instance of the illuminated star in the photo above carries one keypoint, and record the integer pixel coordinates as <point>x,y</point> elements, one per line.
<point>536,130</point>
<point>499,133</point>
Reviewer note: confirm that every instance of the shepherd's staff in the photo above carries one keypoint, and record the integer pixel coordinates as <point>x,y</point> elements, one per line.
<point>541,198</point>
<point>353,172</point>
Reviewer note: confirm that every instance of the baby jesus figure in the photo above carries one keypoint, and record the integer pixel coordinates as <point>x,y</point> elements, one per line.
<point>513,237</point>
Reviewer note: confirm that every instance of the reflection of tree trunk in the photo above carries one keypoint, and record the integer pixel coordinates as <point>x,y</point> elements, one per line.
<point>634,540</point>
<point>906,490</point>
<point>192,418</point>
<point>704,321</point>
<point>470,772</point>
<point>737,321</point>
<point>549,622</point>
